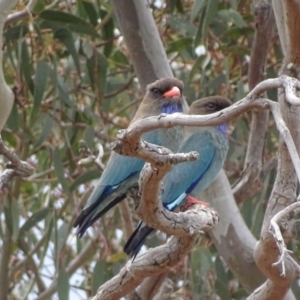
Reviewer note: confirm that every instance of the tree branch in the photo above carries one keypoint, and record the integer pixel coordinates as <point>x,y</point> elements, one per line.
<point>251,101</point>
<point>16,167</point>
<point>126,218</point>
<point>153,262</point>
<point>4,265</point>
<point>16,16</point>
<point>184,225</point>
<point>142,39</point>
<point>250,182</point>
<point>284,190</point>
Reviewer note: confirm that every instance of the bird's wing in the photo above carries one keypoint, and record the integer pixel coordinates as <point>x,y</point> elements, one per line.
<point>120,173</point>
<point>183,178</point>
<point>118,170</point>
<point>137,239</point>
<point>180,181</point>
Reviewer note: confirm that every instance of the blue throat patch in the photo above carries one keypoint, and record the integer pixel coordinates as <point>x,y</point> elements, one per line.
<point>223,128</point>
<point>171,107</point>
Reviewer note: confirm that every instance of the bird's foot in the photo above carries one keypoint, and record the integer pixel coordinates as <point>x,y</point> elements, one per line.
<point>191,201</point>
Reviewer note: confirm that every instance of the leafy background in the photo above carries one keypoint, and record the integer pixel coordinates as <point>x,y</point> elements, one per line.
<point>75,88</point>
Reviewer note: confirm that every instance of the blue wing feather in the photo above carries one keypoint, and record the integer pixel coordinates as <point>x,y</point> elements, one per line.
<point>120,173</point>
<point>119,168</point>
<point>185,176</point>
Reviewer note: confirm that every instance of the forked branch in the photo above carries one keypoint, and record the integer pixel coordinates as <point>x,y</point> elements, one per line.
<point>186,225</point>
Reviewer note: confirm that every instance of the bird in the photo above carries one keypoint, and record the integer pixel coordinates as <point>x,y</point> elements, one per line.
<point>163,96</point>
<point>211,143</point>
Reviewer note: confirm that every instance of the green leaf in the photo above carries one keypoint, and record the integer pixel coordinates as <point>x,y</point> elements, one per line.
<point>197,6</point>
<point>15,32</point>
<point>195,270</point>
<point>49,223</point>
<point>26,67</point>
<point>240,90</point>
<point>199,33</point>
<point>182,25</point>
<point>66,37</point>
<point>13,119</point>
<point>116,257</point>
<point>211,12</point>
<point>179,6</point>
<point>220,271</point>
<point>34,219</point>
<point>40,80</point>
<point>63,92</point>
<point>179,45</point>
<point>197,66</point>
<point>62,235</point>
<point>119,57</point>
<point>89,134</point>
<point>47,127</point>
<point>97,67</point>
<point>207,16</point>
<point>217,81</point>
<point>39,7</point>
<point>231,15</point>
<point>247,212</point>
<point>91,12</point>
<point>58,19</point>
<point>100,275</point>
<point>87,49</point>
<point>205,261</point>
<point>222,290</point>
<point>59,169</point>
<point>85,177</point>
<point>108,33</point>
<point>63,285</point>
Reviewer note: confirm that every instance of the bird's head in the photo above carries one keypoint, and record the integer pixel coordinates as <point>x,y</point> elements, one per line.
<point>209,105</point>
<point>165,95</point>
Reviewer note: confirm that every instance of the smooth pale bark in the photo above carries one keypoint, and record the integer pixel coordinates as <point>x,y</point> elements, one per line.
<point>232,237</point>
<point>284,190</point>
<point>142,39</point>
<point>6,95</point>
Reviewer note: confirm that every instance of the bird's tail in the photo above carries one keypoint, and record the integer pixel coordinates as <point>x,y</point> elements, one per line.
<point>92,213</point>
<point>137,240</point>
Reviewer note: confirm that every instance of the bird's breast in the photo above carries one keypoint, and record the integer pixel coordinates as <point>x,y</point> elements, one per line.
<point>220,141</point>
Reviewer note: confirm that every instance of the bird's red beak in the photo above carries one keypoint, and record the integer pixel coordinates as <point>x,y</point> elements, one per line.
<point>173,92</point>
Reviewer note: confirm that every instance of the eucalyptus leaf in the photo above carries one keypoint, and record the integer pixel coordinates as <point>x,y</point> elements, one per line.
<point>58,19</point>
<point>40,81</point>
<point>63,285</point>
<point>59,169</point>
<point>34,219</point>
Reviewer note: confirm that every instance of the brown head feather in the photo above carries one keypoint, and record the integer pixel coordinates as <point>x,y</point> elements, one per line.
<point>209,105</point>
<point>154,99</point>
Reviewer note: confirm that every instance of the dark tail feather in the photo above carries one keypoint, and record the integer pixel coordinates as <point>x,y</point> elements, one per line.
<point>86,218</point>
<point>137,240</point>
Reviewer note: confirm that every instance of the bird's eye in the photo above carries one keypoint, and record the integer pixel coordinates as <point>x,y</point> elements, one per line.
<point>156,92</point>
<point>211,105</point>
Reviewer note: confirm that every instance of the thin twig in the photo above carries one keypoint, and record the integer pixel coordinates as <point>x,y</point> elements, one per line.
<point>275,222</point>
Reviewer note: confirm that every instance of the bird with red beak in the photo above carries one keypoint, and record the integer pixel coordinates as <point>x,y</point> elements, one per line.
<point>122,172</point>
